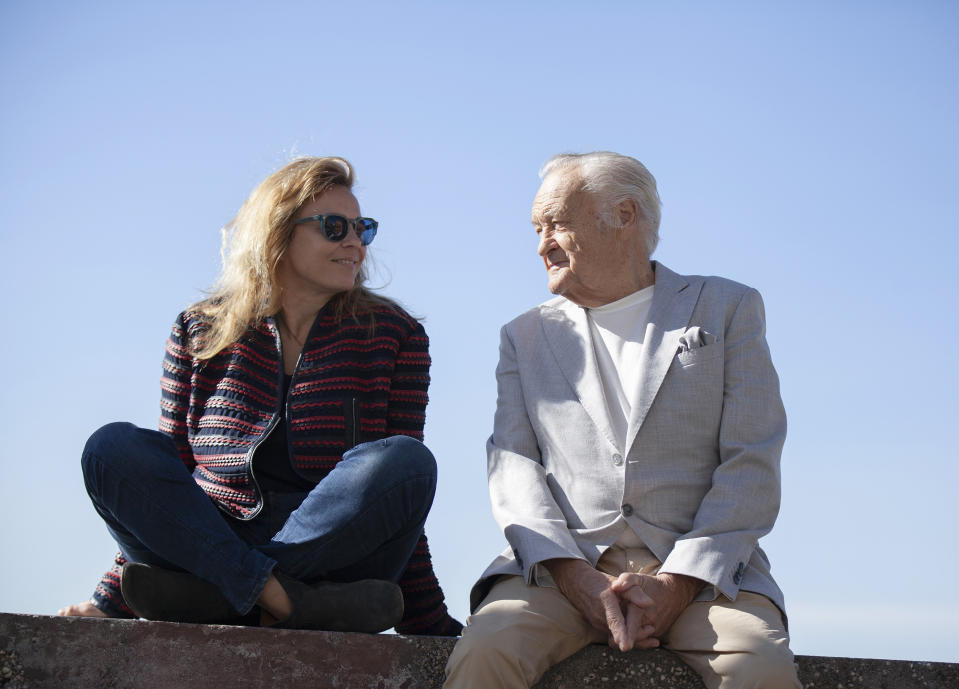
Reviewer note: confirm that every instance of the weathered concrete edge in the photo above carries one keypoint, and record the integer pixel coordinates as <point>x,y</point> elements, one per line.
<point>42,651</point>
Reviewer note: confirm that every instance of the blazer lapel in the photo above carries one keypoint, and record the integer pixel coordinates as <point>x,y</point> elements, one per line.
<point>567,335</point>
<point>673,302</point>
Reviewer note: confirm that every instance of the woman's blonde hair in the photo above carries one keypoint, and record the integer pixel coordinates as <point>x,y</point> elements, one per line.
<point>254,243</point>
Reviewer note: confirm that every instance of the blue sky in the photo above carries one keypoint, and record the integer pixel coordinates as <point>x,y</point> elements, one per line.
<point>807,149</point>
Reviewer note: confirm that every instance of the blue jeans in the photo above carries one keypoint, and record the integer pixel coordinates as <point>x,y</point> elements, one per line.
<point>361,521</point>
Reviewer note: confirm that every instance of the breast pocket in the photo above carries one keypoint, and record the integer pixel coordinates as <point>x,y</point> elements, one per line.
<point>692,392</point>
<point>700,355</point>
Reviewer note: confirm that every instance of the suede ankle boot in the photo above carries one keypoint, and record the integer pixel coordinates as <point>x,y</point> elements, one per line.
<point>369,605</point>
<point>155,593</point>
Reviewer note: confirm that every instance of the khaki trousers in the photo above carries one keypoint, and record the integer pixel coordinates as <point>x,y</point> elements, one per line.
<point>519,631</point>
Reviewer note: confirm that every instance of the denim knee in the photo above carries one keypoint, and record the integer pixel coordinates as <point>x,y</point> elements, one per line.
<point>410,456</point>
<point>123,449</point>
<point>102,445</point>
<point>393,461</point>
<point>397,457</point>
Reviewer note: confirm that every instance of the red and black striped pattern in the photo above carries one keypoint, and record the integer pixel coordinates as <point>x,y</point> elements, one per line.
<point>350,387</point>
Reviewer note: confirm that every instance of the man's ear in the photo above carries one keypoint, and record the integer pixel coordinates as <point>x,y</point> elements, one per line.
<point>626,212</point>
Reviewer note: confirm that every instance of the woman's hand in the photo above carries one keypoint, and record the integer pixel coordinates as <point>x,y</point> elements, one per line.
<point>84,609</point>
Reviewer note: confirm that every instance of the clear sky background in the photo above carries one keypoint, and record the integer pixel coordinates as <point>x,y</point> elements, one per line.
<point>807,149</point>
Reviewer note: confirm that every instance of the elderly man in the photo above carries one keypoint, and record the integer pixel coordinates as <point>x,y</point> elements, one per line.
<point>634,461</point>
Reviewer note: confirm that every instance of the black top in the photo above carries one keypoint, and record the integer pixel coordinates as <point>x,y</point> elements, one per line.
<point>271,461</point>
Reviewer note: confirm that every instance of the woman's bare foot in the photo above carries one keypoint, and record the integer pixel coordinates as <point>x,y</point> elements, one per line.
<point>84,609</point>
<point>274,604</point>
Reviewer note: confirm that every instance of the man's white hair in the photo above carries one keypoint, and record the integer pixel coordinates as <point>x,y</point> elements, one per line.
<point>614,178</point>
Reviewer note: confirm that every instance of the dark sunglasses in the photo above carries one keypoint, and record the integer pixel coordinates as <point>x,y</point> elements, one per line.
<point>336,227</point>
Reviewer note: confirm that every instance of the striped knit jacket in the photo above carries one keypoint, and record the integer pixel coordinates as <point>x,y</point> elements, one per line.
<point>349,387</point>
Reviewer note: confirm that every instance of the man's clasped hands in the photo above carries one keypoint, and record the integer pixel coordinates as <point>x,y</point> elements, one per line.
<point>636,609</point>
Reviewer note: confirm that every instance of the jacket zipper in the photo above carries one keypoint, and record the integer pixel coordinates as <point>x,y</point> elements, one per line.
<point>274,422</point>
<point>354,424</point>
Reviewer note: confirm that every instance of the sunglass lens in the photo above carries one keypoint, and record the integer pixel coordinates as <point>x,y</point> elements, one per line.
<point>335,227</point>
<point>366,228</point>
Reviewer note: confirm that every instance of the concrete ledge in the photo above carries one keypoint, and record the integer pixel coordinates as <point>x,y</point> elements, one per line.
<point>39,651</point>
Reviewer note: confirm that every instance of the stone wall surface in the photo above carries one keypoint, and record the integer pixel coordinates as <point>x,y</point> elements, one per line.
<point>37,652</point>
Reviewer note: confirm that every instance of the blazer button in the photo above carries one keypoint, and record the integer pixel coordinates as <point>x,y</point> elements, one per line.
<point>618,460</point>
<point>738,575</point>
<point>627,509</point>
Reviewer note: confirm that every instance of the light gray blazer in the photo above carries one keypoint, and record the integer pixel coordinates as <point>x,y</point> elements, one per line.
<point>698,480</point>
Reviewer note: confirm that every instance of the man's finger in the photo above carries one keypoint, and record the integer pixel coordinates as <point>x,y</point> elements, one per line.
<point>648,642</point>
<point>624,581</point>
<point>634,625</point>
<point>615,621</point>
<point>637,597</point>
<point>629,586</point>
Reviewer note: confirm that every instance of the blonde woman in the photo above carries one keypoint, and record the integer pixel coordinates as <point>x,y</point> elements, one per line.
<point>288,484</point>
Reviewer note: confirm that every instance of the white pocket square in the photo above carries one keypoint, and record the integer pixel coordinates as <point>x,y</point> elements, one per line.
<point>694,338</point>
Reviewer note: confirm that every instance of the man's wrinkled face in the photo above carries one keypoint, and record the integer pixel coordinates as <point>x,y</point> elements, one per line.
<point>580,252</point>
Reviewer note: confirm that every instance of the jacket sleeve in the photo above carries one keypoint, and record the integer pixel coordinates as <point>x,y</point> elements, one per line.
<point>406,412</point>
<point>175,389</point>
<point>174,403</point>
<point>523,505</point>
<point>425,605</point>
<point>107,597</point>
<point>743,501</point>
